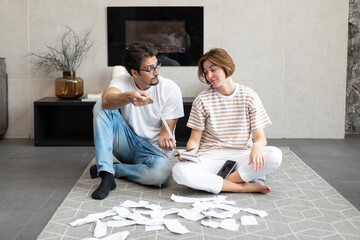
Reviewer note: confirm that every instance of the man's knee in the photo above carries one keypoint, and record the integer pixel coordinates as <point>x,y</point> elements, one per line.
<point>159,175</point>
<point>97,107</point>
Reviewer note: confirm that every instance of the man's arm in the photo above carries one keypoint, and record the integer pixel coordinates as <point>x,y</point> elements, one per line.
<point>165,142</point>
<point>113,98</point>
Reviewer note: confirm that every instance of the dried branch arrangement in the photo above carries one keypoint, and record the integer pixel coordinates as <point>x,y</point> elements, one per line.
<point>68,57</point>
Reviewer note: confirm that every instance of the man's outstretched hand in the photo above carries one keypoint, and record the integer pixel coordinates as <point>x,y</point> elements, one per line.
<point>139,98</point>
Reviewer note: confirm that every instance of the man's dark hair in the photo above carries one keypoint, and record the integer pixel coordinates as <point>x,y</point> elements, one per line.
<point>134,54</point>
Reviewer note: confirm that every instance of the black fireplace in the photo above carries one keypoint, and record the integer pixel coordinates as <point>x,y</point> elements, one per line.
<point>177,32</point>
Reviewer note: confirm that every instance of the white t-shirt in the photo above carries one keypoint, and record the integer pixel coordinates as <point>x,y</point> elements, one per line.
<point>145,120</point>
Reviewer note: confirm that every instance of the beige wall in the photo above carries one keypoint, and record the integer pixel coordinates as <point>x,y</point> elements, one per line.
<point>291,52</point>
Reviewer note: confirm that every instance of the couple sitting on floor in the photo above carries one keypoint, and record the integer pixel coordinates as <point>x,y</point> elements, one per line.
<point>224,119</point>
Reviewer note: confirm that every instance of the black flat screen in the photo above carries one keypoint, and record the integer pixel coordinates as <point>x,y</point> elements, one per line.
<point>177,32</point>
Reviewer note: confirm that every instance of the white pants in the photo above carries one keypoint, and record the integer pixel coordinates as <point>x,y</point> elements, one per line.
<point>202,176</point>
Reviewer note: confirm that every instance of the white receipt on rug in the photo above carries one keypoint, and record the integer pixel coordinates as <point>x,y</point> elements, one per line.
<point>210,223</point>
<point>175,198</point>
<point>100,229</point>
<point>229,224</point>
<point>175,226</point>
<point>191,214</point>
<point>254,211</point>
<point>160,214</point>
<point>248,220</point>
<point>93,218</point>
<point>132,204</point>
<point>232,209</point>
<point>215,214</point>
<point>115,236</point>
<point>121,223</point>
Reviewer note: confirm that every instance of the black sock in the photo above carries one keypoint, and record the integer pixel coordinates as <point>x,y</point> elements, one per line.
<point>93,171</point>
<point>107,184</point>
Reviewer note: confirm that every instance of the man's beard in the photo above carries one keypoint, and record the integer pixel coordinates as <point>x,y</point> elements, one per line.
<point>154,83</point>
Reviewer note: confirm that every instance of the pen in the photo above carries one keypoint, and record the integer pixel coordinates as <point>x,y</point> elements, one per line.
<point>188,150</point>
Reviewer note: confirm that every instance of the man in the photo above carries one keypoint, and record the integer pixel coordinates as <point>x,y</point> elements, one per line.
<point>136,137</point>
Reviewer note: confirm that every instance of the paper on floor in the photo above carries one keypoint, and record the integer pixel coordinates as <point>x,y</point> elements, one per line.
<point>100,229</point>
<point>209,223</point>
<point>127,214</point>
<point>121,223</point>
<point>175,226</point>
<point>191,214</point>
<point>217,214</point>
<point>257,212</point>
<point>132,204</point>
<point>248,220</point>
<point>93,218</point>
<point>229,224</point>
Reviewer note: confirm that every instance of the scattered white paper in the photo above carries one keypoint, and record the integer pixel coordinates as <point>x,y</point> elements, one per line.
<point>229,208</point>
<point>151,222</point>
<point>137,217</point>
<point>219,199</point>
<point>93,218</point>
<point>153,207</point>
<point>153,228</point>
<point>144,212</point>
<point>203,206</point>
<point>257,212</point>
<point>115,236</point>
<point>217,214</point>
<point>123,212</point>
<point>100,229</point>
<point>127,214</point>
<point>209,223</point>
<point>229,224</point>
<point>175,226</point>
<point>117,217</point>
<point>248,220</point>
<point>163,213</point>
<point>191,214</point>
<point>132,204</point>
<point>122,223</point>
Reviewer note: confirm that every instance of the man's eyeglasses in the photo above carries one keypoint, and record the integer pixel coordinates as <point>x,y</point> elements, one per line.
<point>151,70</point>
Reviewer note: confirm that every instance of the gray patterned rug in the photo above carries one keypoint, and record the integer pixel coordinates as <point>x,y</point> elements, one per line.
<point>301,205</point>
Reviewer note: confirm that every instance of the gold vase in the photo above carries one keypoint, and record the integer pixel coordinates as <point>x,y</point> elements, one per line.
<point>69,86</point>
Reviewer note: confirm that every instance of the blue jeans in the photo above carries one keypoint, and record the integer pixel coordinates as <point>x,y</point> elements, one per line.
<point>141,161</point>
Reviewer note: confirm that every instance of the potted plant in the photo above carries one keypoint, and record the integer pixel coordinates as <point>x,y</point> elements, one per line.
<point>67,58</point>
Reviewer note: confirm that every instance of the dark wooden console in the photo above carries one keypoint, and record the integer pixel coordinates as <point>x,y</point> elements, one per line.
<point>61,122</point>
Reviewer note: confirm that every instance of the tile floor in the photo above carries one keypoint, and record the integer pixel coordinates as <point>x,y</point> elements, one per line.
<point>35,180</point>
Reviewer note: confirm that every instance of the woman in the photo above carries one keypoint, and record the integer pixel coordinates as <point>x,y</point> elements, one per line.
<point>224,119</point>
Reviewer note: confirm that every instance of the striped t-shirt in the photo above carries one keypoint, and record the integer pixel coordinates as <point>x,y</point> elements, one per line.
<point>227,121</point>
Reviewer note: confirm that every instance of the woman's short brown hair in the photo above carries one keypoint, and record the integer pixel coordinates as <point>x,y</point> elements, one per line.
<point>219,57</point>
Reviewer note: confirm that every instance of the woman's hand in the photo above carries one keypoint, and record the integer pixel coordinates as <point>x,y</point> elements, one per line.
<point>257,158</point>
<point>180,158</point>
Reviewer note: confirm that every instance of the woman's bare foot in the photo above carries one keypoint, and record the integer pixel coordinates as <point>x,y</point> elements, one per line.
<point>260,187</point>
<point>254,187</point>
